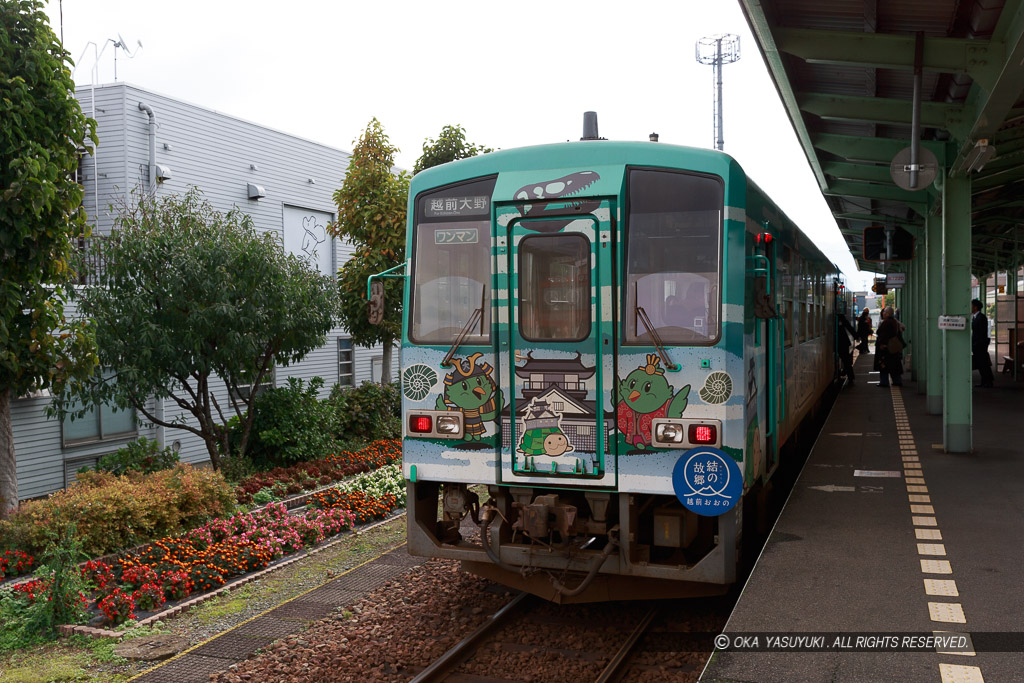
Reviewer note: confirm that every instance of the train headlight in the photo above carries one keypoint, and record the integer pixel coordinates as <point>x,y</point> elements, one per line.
<point>438,424</point>
<point>449,424</point>
<point>676,432</point>
<point>669,433</point>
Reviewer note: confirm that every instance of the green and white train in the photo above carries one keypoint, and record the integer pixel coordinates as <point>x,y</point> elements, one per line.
<point>614,339</point>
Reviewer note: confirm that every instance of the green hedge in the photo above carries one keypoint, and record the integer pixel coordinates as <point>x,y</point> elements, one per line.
<point>292,424</point>
<point>370,412</point>
<point>114,512</point>
<point>143,455</point>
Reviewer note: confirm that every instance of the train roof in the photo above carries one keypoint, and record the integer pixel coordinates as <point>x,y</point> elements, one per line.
<point>520,166</point>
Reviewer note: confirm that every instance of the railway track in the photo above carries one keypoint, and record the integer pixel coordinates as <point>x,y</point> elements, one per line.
<point>532,640</point>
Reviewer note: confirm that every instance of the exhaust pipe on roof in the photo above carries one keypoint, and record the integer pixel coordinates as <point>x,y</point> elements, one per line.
<point>590,126</point>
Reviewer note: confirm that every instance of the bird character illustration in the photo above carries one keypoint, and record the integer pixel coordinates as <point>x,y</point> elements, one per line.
<point>469,388</point>
<point>644,395</point>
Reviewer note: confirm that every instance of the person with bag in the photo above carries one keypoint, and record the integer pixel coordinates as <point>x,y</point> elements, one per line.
<point>980,360</point>
<point>889,346</point>
<point>863,330</point>
<point>844,331</point>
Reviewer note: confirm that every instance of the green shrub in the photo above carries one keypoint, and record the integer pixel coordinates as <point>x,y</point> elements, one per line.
<point>237,468</point>
<point>115,512</point>
<point>142,456</point>
<point>263,496</point>
<point>31,612</point>
<point>370,412</point>
<point>291,424</point>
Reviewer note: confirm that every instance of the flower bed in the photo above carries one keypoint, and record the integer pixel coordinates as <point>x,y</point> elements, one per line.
<point>162,575</point>
<point>280,482</point>
<point>167,571</point>
<point>15,563</point>
<point>371,496</point>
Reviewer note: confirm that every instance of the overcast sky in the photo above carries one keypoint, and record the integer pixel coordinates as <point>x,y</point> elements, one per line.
<point>511,73</point>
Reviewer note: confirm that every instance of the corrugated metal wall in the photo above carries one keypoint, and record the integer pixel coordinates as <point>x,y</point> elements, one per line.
<point>221,155</point>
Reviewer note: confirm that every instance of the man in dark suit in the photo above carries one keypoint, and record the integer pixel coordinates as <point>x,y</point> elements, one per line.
<point>980,360</point>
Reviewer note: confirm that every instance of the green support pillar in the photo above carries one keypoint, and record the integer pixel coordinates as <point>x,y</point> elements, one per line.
<point>956,359</point>
<point>918,350</point>
<point>933,290</point>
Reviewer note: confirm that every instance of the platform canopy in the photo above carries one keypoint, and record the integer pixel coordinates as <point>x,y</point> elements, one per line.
<point>845,72</point>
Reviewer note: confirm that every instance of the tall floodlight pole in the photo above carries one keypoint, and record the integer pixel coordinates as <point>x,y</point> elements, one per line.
<point>716,51</point>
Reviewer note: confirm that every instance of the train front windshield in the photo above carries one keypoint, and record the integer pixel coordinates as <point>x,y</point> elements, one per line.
<point>673,258</point>
<point>452,269</point>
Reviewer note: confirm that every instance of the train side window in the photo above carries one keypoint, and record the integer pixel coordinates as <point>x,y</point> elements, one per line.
<point>673,257</point>
<point>820,303</point>
<point>554,288</point>
<point>787,301</point>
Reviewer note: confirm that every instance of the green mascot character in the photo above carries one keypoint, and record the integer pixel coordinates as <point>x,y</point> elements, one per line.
<point>644,395</point>
<point>469,388</point>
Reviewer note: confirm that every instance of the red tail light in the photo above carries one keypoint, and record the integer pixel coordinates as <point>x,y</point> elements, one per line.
<point>703,434</point>
<point>420,424</point>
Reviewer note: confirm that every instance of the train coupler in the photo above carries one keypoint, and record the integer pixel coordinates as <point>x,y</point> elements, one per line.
<point>545,517</point>
<point>457,500</point>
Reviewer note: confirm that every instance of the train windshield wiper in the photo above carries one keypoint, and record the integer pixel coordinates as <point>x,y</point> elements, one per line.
<point>476,317</point>
<point>641,314</point>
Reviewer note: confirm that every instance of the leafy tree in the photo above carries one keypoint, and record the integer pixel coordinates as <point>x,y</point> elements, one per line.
<point>41,130</point>
<point>450,145</point>
<point>371,214</point>
<point>191,300</point>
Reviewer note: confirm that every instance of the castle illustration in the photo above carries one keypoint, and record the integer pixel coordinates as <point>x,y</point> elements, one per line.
<point>559,387</point>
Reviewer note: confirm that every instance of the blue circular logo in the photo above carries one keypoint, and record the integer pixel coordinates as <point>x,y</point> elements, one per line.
<point>707,481</point>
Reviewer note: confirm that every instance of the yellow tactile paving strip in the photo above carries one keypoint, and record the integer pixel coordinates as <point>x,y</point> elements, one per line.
<point>926,528</point>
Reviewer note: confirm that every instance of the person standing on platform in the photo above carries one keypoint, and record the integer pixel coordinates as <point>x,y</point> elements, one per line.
<point>889,350</point>
<point>980,360</point>
<point>844,334</point>
<point>864,330</point>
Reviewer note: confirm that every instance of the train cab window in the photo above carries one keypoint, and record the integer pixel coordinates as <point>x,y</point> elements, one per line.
<point>554,288</point>
<point>673,257</point>
<point>451,270</point>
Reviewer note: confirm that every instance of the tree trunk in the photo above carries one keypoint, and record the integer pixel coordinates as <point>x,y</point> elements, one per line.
<point>214,450</point>
<point>8,462</point>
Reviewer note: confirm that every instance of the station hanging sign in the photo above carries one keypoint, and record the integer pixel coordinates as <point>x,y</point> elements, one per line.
<point>877,247</point>
<point>952,322</point>
<point>896,279</point>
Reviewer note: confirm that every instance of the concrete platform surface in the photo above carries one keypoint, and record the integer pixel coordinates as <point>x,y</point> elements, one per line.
<point>886,535</point>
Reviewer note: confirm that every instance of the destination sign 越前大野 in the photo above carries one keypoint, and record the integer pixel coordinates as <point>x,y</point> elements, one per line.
<point>441,207</point>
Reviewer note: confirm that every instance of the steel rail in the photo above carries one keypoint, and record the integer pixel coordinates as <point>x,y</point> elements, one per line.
<point>461,650</point>
<point>613,671</point>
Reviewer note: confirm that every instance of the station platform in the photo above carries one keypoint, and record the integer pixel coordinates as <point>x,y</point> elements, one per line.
<point>886,535</point>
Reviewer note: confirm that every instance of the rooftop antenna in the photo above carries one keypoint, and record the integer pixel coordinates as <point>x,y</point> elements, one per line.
<point>120,43</point>
<point>716,51</point>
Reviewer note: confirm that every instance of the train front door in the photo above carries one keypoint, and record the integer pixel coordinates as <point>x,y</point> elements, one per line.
<point>558,370</point>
